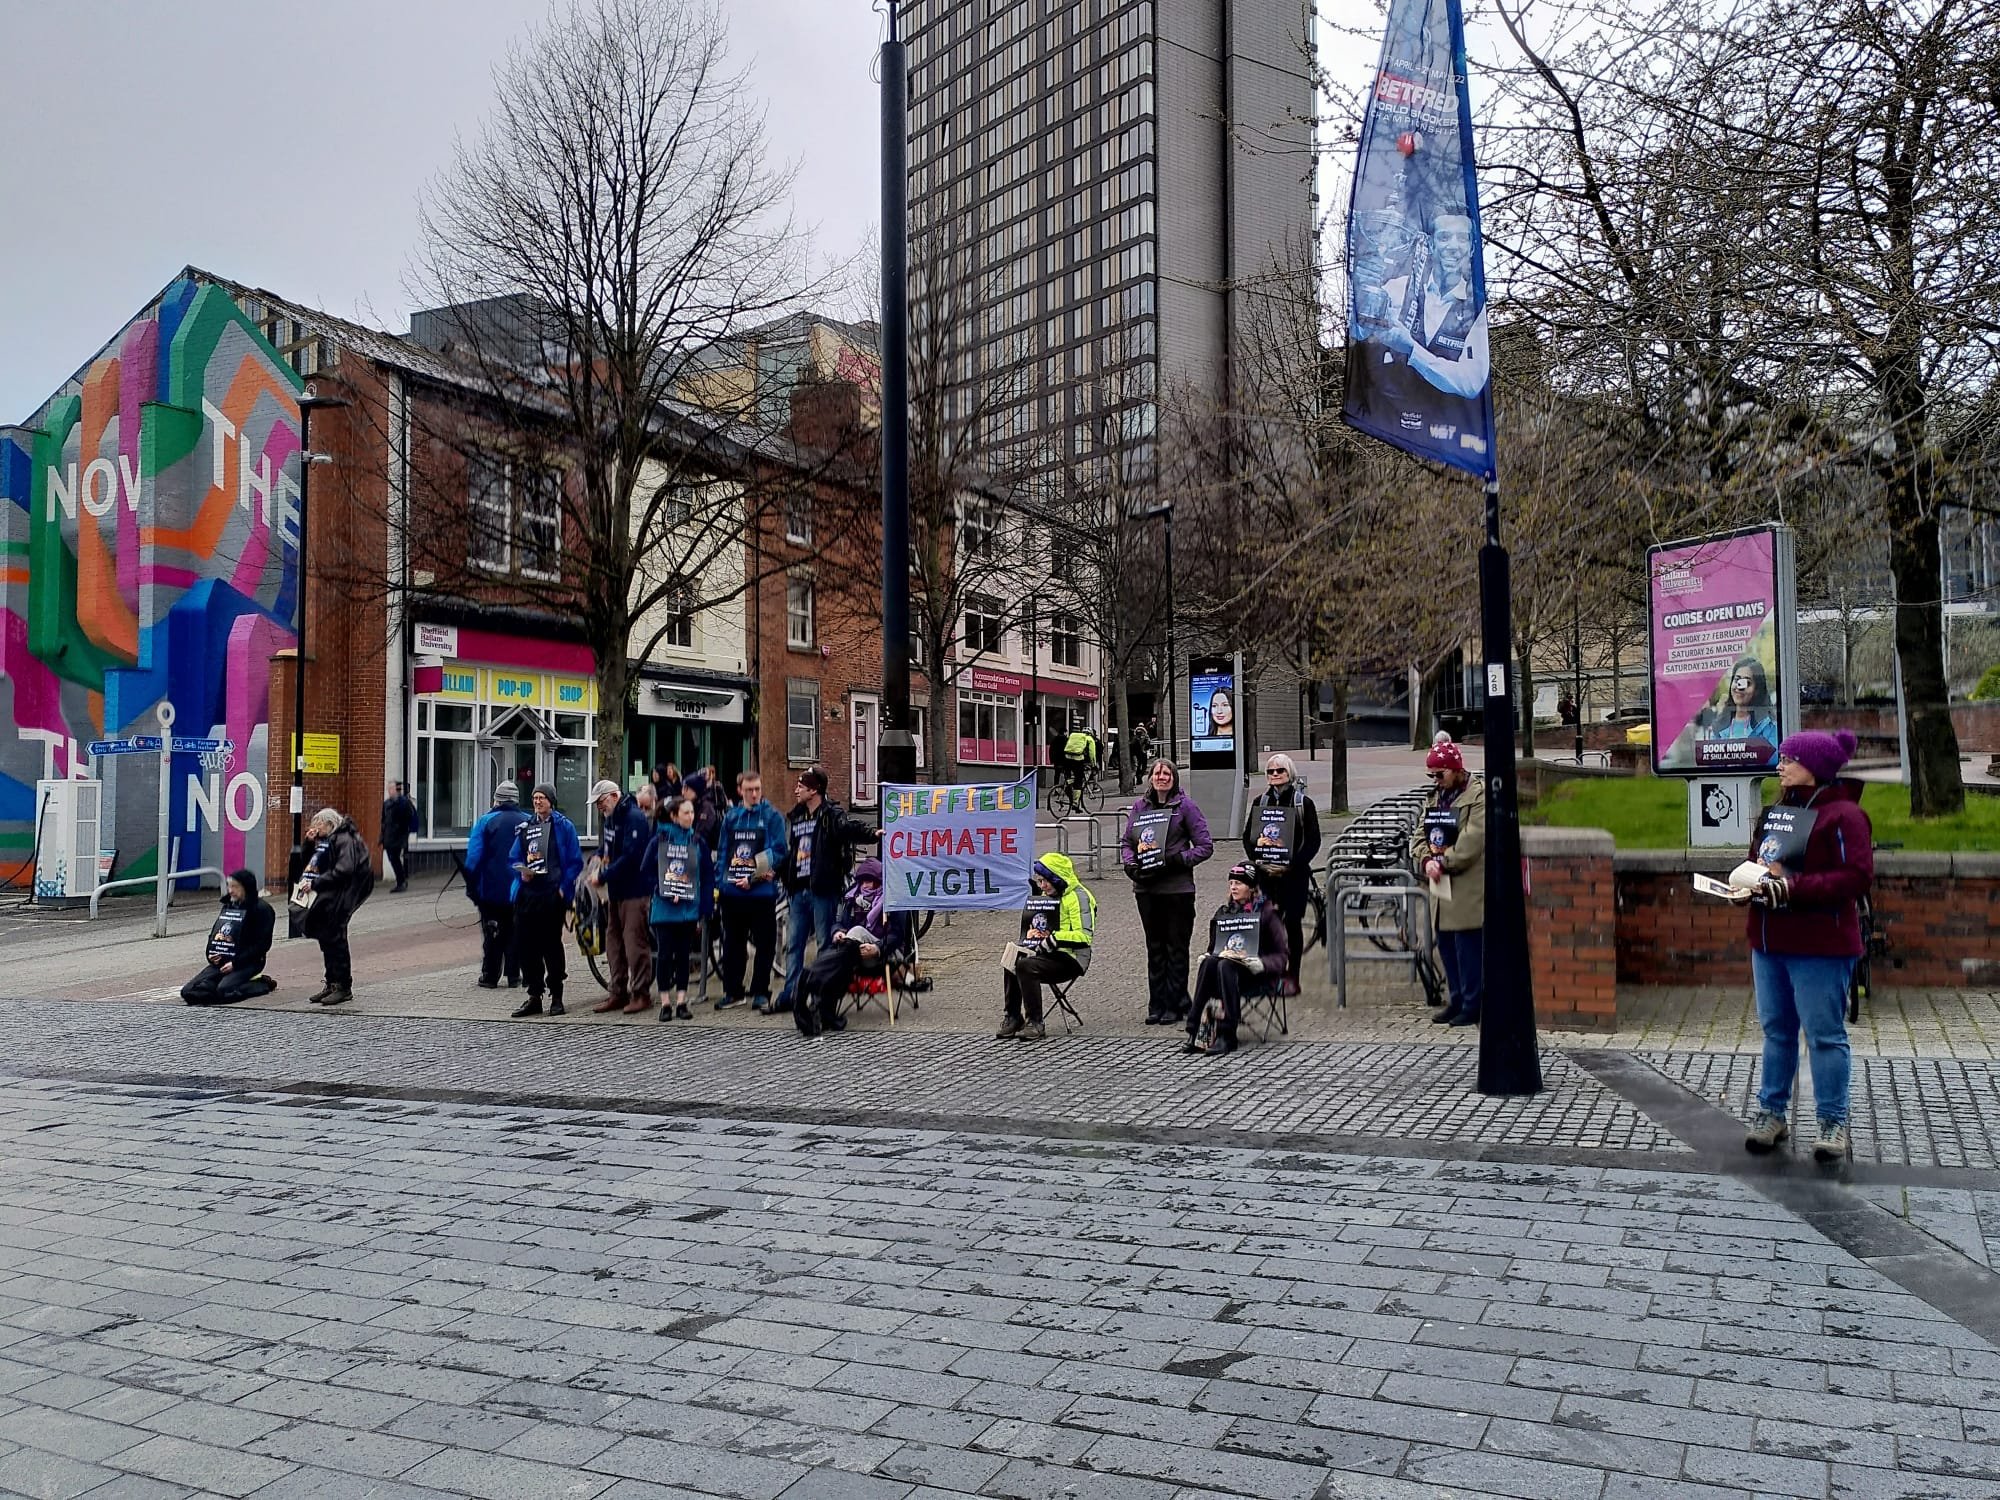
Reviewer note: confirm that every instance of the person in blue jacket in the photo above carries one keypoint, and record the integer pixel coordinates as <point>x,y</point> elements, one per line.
<point>626,882</point>
<point>546,859</point>
<point>750,850</point>
<point>489,885</point>
<point>682,872</point>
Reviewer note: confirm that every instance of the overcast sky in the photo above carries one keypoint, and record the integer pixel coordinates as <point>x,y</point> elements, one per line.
<point>284,143</point>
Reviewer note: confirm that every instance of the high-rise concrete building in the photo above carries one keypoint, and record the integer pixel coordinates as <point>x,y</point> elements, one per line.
<point>1107,183</point>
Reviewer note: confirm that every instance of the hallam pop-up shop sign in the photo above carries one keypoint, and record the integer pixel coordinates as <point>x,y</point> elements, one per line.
<point>1723,616</point>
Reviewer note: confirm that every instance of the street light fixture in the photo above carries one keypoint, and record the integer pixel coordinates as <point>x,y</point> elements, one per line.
<point>1165,512</point>
<point>310,401</point>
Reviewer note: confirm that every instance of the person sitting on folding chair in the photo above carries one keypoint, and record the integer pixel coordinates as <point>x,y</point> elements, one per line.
<point>864,937</point>
<point>1246,957</point>
<point>1057,925</point>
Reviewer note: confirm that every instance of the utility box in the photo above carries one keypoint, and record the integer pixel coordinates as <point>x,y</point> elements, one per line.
<point>69,816</point>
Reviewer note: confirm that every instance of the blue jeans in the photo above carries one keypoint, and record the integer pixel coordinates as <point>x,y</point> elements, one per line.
<point>1794,991</point>
<point>1464,956</point>
<point>810,913</point>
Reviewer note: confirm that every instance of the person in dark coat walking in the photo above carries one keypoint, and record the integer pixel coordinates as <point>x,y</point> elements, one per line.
<point>399,822</point>
<point>1165,837</point>
<point>1816,850</point>
<point>239,942</point>
<point>1281,839</point>
<point>338,877</point>
<point>1246,949</point>
<point>489,883</point>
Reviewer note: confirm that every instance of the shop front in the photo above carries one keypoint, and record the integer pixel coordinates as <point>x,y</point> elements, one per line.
<point>1060,708</point>
<point>689,719</point>
<point>489,708</point>
<point>989,718</point>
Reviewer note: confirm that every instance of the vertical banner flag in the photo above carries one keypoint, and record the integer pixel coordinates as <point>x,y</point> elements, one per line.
<point>958,848</point>
<point>1418,372</point>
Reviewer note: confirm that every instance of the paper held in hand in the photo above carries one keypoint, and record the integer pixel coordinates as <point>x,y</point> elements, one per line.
<point>1708,885</point>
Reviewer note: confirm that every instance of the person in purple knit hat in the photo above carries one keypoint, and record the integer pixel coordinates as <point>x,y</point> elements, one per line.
<point>1816,848</point>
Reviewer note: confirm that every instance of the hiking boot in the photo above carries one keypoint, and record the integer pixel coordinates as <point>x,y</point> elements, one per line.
<point>319,994</point>
<point>605,1006</point>
<point>1766,1130</point>
<point>340,994</point>
<point>532,1006</point>
<point>1009,1029</point>
<point>1832,1145</point>
<point>1034,1031</point>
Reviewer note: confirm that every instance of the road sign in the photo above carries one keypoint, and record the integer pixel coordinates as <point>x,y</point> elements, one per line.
<point>189,745</point>
<point>115,747</point>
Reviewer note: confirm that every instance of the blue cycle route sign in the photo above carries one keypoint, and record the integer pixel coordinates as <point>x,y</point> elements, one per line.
<point>138,744</point>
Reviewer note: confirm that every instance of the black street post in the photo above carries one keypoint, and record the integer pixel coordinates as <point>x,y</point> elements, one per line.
<point>310,401</point>
<point>1576,667</point>
<point>1510,1060</point>
<point>899,746</point>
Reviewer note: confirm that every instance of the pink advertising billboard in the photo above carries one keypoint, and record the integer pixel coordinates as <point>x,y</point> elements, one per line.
<point>1721,617</point>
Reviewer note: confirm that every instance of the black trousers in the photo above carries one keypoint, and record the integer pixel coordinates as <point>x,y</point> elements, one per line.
<point>673,946</point>
<point>1225,980</point>
<point>399,860</point>
<point>747,921</point>
<point>213,987</point>
<point>1023,983</point>
<point>1289,896</point>
<point>334,955</point>
<point>538,936</point>
<point>826,982</point>
<point>1169,924</point>
<point>497,952</point>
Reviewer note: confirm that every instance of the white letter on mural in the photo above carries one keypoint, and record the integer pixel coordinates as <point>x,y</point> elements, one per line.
<point>92,504</point>
<point>255,481</point>
<point>249,820</point>
<point>62,492</point>
<point>128,474</point>
<point>224,429</point>
<point>202,797</point>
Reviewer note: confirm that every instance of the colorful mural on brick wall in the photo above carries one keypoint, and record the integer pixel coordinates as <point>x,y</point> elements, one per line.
<point>149,552</point>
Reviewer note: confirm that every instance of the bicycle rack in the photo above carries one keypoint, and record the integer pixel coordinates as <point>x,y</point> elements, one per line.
<point>1356,888</point>
<point>1093,850</point>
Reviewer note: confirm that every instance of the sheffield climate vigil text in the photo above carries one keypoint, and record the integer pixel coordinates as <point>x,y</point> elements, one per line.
<point>958,848</point>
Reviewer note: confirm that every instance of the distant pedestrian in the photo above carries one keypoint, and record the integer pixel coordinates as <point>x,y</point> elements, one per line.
<point>1449,847</point>
<point>1281,839</point>
<point>1816,847</point>
<point>337,879</point>
<point>399,822</point>
<point>707,820</point>
<point>666,782</point>
<point>1165,837</point>
<point>239,941</point>
<point>753,840</point>
<point>682,870</point>
<point>625,829</point>
<point>546,860</point>
<point>489,883</point>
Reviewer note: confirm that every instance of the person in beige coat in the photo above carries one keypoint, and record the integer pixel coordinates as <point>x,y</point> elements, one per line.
<point>1450,849</point>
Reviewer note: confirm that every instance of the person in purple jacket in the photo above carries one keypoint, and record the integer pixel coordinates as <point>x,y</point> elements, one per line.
<point>1246,954</point>
<point>1817,850</point>
<point>1165,838</point>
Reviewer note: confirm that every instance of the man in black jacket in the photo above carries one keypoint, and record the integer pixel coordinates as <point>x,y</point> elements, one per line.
<point>815,873</point>
<point>238,944</point>
<point>399,821</point>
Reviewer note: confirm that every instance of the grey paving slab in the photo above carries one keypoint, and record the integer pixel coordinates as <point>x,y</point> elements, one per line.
<point>817,1310</point>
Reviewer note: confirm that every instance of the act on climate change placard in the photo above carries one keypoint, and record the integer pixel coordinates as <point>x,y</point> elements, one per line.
<point>958,848</point>
<point>1721,617</point>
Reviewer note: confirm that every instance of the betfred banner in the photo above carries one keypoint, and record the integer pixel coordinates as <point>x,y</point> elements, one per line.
<point>1418,370</point>
<point>1721,616</point>
<point>958,848</point>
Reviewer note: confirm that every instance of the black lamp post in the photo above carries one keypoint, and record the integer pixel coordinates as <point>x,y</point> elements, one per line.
<point>898,747</point>
<point>310,401</point>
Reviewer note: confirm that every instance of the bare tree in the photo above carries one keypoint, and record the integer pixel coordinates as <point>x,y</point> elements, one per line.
<point>616,217</point>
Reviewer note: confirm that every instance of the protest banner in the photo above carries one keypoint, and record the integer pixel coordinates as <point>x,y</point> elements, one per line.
<point>958,848</point>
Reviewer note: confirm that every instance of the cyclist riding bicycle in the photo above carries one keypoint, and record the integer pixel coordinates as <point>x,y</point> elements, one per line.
<point>1079,757</point>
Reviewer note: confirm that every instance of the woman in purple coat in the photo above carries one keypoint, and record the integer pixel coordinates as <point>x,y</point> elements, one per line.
<point>1165,838</point>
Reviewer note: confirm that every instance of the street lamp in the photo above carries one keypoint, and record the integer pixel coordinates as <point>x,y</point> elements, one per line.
<point>310,401</point>
<point>1166,514</point>
<point>897,753</point>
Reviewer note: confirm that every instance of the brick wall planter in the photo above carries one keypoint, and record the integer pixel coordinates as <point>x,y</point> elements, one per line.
<point>1572,928</point>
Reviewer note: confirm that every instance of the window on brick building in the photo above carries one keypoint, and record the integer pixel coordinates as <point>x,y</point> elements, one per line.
<point>679,627</point>
<point>985,623</point>
<point>540,505</point>
<point>799,519</point>
<point>802,721</point>
<point>799,613</point>
<point>1066,640</point>
<point>490,543</point>
<point>514,516</point>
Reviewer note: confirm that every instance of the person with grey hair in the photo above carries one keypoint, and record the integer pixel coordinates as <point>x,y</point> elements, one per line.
<point>1280,840</point>
<point>337,878</point>
<point>627,885</point>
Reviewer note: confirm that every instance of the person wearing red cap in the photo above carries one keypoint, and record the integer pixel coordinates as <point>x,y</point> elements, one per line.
<point>1450,848</point>
<point>1816,847</point>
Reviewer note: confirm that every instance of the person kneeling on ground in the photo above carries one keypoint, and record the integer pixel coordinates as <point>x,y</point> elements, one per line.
<point>1246,951</point>
<point>683,874</point>
<point>1057,925</point>
<point>238,944</point>
<point>864,937</point>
